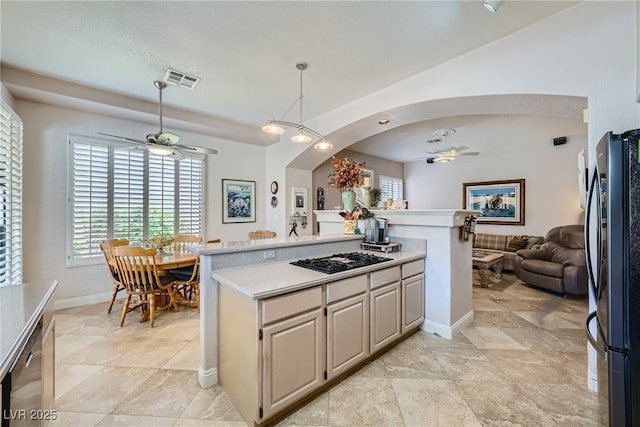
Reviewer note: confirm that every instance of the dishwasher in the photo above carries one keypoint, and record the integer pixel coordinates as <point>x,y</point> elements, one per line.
<point>22,386</point>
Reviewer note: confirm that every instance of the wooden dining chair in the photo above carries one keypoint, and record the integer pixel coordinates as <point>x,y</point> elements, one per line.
<point>106,247</point>
<point>139,275</point>
<point>188,278</point>
<point>261,234</point>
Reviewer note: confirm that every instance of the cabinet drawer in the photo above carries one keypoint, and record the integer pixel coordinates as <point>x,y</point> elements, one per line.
<point>281,307</point>
<point>412,268</point>
<point>346,288</point>
<point>382,277</point>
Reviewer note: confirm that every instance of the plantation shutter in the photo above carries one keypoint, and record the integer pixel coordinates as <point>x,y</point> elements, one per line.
<point>128,195</point>
<point>11,191</point>
<point>391,188</point>
<point>162,191</point>
<point>90,198</point>
<point>190,196</point>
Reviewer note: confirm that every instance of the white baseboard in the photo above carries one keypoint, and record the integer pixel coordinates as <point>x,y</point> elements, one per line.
<point>448,331</point>
<point>207,378</point>
<point>78,301</point>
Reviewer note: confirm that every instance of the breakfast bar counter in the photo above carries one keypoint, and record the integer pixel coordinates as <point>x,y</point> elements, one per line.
<point>274,279</point>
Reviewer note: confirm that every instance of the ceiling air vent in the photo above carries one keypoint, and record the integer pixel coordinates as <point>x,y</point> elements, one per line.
<point>180,79</point>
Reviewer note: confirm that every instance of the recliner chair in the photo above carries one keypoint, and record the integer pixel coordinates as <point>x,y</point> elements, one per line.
<point>559,265</point>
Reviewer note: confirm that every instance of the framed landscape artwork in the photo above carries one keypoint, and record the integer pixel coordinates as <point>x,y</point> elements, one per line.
<point>500,202</point>
<point>238,201</point>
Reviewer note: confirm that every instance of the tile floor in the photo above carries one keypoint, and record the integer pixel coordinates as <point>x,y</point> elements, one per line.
<point>522,362</point>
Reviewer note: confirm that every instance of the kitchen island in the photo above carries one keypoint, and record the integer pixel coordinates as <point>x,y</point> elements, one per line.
<point>288,332</point>
<point>257,255</point>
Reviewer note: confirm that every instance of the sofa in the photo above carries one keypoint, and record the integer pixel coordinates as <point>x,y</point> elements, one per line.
<point>507,245</point>
<point>559,264</point>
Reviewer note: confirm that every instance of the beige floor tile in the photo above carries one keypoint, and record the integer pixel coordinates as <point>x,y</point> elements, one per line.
<point>566,404</point>
<point>486,304</point>
<point>182,386</point>
<point>187,358</point>
<point>412,358</point>
<point>530,366</point>
<point>188,422</point>
<point>491,338</point>
<point>149,353</point>
<point>470,365</point>
<point>69,376</point>
<point>502,403</point>
<point>105,390</point>
<point>112,420</point>
<point>360,401</point>
<point>315,413</point>
<point>69,344</point>
<point>102,352</point>
<point>76,419</point>
<point>434,403</point>
<point>211,404</point>
<point>500,319</point>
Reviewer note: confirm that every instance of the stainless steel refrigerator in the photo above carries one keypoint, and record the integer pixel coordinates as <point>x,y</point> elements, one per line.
<point>612,234</point>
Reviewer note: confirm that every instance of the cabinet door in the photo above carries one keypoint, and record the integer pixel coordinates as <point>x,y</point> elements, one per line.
<point>292,360</point>
<point>385,315</point>
<point>347,334</point>
<point>412,302</point>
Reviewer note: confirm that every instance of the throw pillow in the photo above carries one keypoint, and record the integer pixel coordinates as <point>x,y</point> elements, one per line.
<point>516,244</point>
<point>534,240</point>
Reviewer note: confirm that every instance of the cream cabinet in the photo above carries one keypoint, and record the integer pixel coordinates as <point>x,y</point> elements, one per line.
<point>292,362</point>
<point>385,307</point>
<point>347,324</point>
<point>412,295</point>
<point>275,351</point>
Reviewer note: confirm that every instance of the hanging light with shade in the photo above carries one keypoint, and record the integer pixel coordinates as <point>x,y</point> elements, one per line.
<point>276,127</point>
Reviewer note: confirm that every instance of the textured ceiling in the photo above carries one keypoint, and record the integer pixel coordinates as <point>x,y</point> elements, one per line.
<point>244,52</point>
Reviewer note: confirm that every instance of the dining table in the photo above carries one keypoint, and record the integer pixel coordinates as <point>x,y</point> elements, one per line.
<point>170,261</point>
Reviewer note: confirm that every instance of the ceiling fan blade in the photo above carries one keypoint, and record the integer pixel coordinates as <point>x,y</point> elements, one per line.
<point>196,149</point>
<point>176,155</point>
<point>461,148</point>
<point>123,137</point>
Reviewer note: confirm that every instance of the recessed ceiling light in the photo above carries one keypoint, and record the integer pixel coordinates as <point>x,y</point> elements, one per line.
<point>383,121</point>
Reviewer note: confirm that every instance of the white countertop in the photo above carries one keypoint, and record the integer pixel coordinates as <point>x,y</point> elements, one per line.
<point>20,309</point>
<point>267,280</point>
<point>277,242</point>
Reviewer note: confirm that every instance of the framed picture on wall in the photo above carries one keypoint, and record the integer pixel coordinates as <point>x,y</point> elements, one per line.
<point>238,201</point>
<point>299,200</point>
<point>500,202</point>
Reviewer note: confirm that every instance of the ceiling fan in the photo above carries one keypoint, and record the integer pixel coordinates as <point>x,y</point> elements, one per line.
<point>444,153</point>
<point>164,143</point>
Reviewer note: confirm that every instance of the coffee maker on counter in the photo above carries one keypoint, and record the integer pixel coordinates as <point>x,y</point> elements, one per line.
<point>376,231</point>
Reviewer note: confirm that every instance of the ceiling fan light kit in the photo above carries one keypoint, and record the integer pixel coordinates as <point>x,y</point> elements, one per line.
<point>163,143</point>
<point>276,127</point>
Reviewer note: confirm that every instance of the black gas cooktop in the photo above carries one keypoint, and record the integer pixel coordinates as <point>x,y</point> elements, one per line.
<point>339,262</point>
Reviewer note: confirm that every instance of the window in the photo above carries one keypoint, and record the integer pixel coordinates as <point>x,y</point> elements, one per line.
<point>11,192</point>
<point>391,188</point>
<point>117,192</point>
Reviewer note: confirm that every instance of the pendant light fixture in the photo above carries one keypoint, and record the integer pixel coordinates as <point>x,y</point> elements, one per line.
<point>276,127</point>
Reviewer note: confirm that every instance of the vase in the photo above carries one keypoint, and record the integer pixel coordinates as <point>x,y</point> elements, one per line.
<point>349,227</point>
<point>348,200</point>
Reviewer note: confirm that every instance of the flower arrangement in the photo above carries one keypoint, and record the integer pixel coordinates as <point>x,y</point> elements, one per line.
<point>346,174</point>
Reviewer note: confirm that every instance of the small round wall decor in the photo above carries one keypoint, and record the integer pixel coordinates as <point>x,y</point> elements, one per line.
<point>274,201</point>
<point>274,187</point>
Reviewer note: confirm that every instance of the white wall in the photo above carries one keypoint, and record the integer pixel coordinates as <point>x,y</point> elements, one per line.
<point>596,59</point>
<point>550,173</point>
<point>45,191</point>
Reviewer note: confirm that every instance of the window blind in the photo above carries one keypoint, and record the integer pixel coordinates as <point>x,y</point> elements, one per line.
<point>127,193</point>
<point>11,133</point>
<point>391,188</point>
